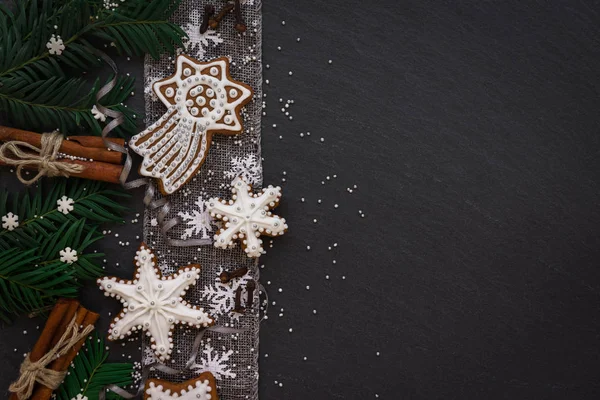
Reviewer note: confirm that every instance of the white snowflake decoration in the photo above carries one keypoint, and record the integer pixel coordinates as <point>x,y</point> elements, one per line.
<point>148,357</point>
<point>10,221</point>
<point>199,41</point>
<point>247,217</point>
<point>215,363</point>
<point>65,205</point>
<point>247,167</point>
<point>154,303</point>
<point>55,45</point>
<point>201,100</point>
<point>80,397</point>
<point>221,296</point>
<point>97,114</point>
<point>153,222</point>
<point>68,255</point>
<point>199,221</point>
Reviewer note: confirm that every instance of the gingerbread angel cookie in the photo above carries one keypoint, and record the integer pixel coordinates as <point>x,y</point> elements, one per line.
<point>201,99</point>
<point>202,387</point>
<point>154,303</point>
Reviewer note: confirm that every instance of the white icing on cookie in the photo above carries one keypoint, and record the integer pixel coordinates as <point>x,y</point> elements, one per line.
<point>247,216</point>
<point>154,303</point>
<point>201,100</point>
<point>201,390</point>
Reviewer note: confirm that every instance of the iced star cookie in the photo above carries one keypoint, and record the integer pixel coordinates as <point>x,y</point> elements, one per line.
<point>246,217</point>
<point>203,387</point>
<point>201,99</point>
<point>154,303</point>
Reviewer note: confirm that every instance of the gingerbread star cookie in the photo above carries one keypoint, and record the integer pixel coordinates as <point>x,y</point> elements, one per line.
<point>247,216</point>
<point>154,303</point>
<point>201,99</point>
<point>203,387</point>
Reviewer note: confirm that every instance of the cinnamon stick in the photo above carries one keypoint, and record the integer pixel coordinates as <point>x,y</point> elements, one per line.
<point>83,319</point>
<point>97,171</point>
<point>61,315</point>
<point>53,324</point>
<point>74,147</point>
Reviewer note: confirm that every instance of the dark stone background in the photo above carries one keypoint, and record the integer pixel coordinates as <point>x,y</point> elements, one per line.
<point>471,132</point>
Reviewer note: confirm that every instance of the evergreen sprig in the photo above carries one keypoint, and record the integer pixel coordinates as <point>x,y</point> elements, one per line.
<point>90,373</point>
<point>37,276</point>
<point>42,91</point>
<point>26,286</point>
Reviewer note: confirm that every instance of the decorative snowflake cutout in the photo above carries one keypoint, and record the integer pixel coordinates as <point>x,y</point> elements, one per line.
<point>202,100</point>
<point>221,296</point>
<point>197,41</point>
<point>97,114</point>
<point>68,255</point>
<point>10,221</point>
<point>215,363</point>
<point>148,358</point>
<point>154,303</point>
<point>247,217</point>
<point>65,204</point>
<point>199,221</point>
<point>55,45</point>
<point>153,222</point>
<point>80,397</point>
<point>201,387</point>
<point>247,167</point>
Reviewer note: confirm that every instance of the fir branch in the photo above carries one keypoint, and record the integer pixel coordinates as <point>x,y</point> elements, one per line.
<point>90,372</point>
<point>39,217</point>
<point>135,27</point>
<point>26,286</point>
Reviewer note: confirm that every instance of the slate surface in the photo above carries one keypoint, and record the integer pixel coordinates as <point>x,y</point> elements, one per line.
<point>471,133</point>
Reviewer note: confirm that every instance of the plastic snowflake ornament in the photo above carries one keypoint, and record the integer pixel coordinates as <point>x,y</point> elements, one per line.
<point>201,100</point>
<point>247,216</point>
<point>97,114</point>
<point>10,221</point>
<point>65,204</point>
<point>68,255</point>
<point>154,303</point>
<point>80,397</point>
<point>55,45</point>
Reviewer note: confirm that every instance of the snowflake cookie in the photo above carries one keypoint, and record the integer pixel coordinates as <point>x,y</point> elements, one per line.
<point>202,387</point>
<point>201,100</point>
<point>154,303</point>
<point>247,216</point>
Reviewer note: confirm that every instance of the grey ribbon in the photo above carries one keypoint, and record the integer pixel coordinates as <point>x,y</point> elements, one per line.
<point>118,118</point>
<point>146,369</point>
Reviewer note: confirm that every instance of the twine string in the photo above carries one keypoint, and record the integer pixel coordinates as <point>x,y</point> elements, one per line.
<point>43,158</point>
<point>36,371</point>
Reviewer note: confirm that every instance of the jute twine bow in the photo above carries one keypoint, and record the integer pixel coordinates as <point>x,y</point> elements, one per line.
<point>43,159</point>
<point>32,372</point>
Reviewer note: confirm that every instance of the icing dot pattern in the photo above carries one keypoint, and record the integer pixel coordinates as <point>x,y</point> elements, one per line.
<point>154,303</point>
<point>201,99</point>
<point>246,217</point>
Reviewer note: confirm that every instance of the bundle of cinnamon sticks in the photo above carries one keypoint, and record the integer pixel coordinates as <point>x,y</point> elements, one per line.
<point>101,164</point>
<point>61,316</point>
